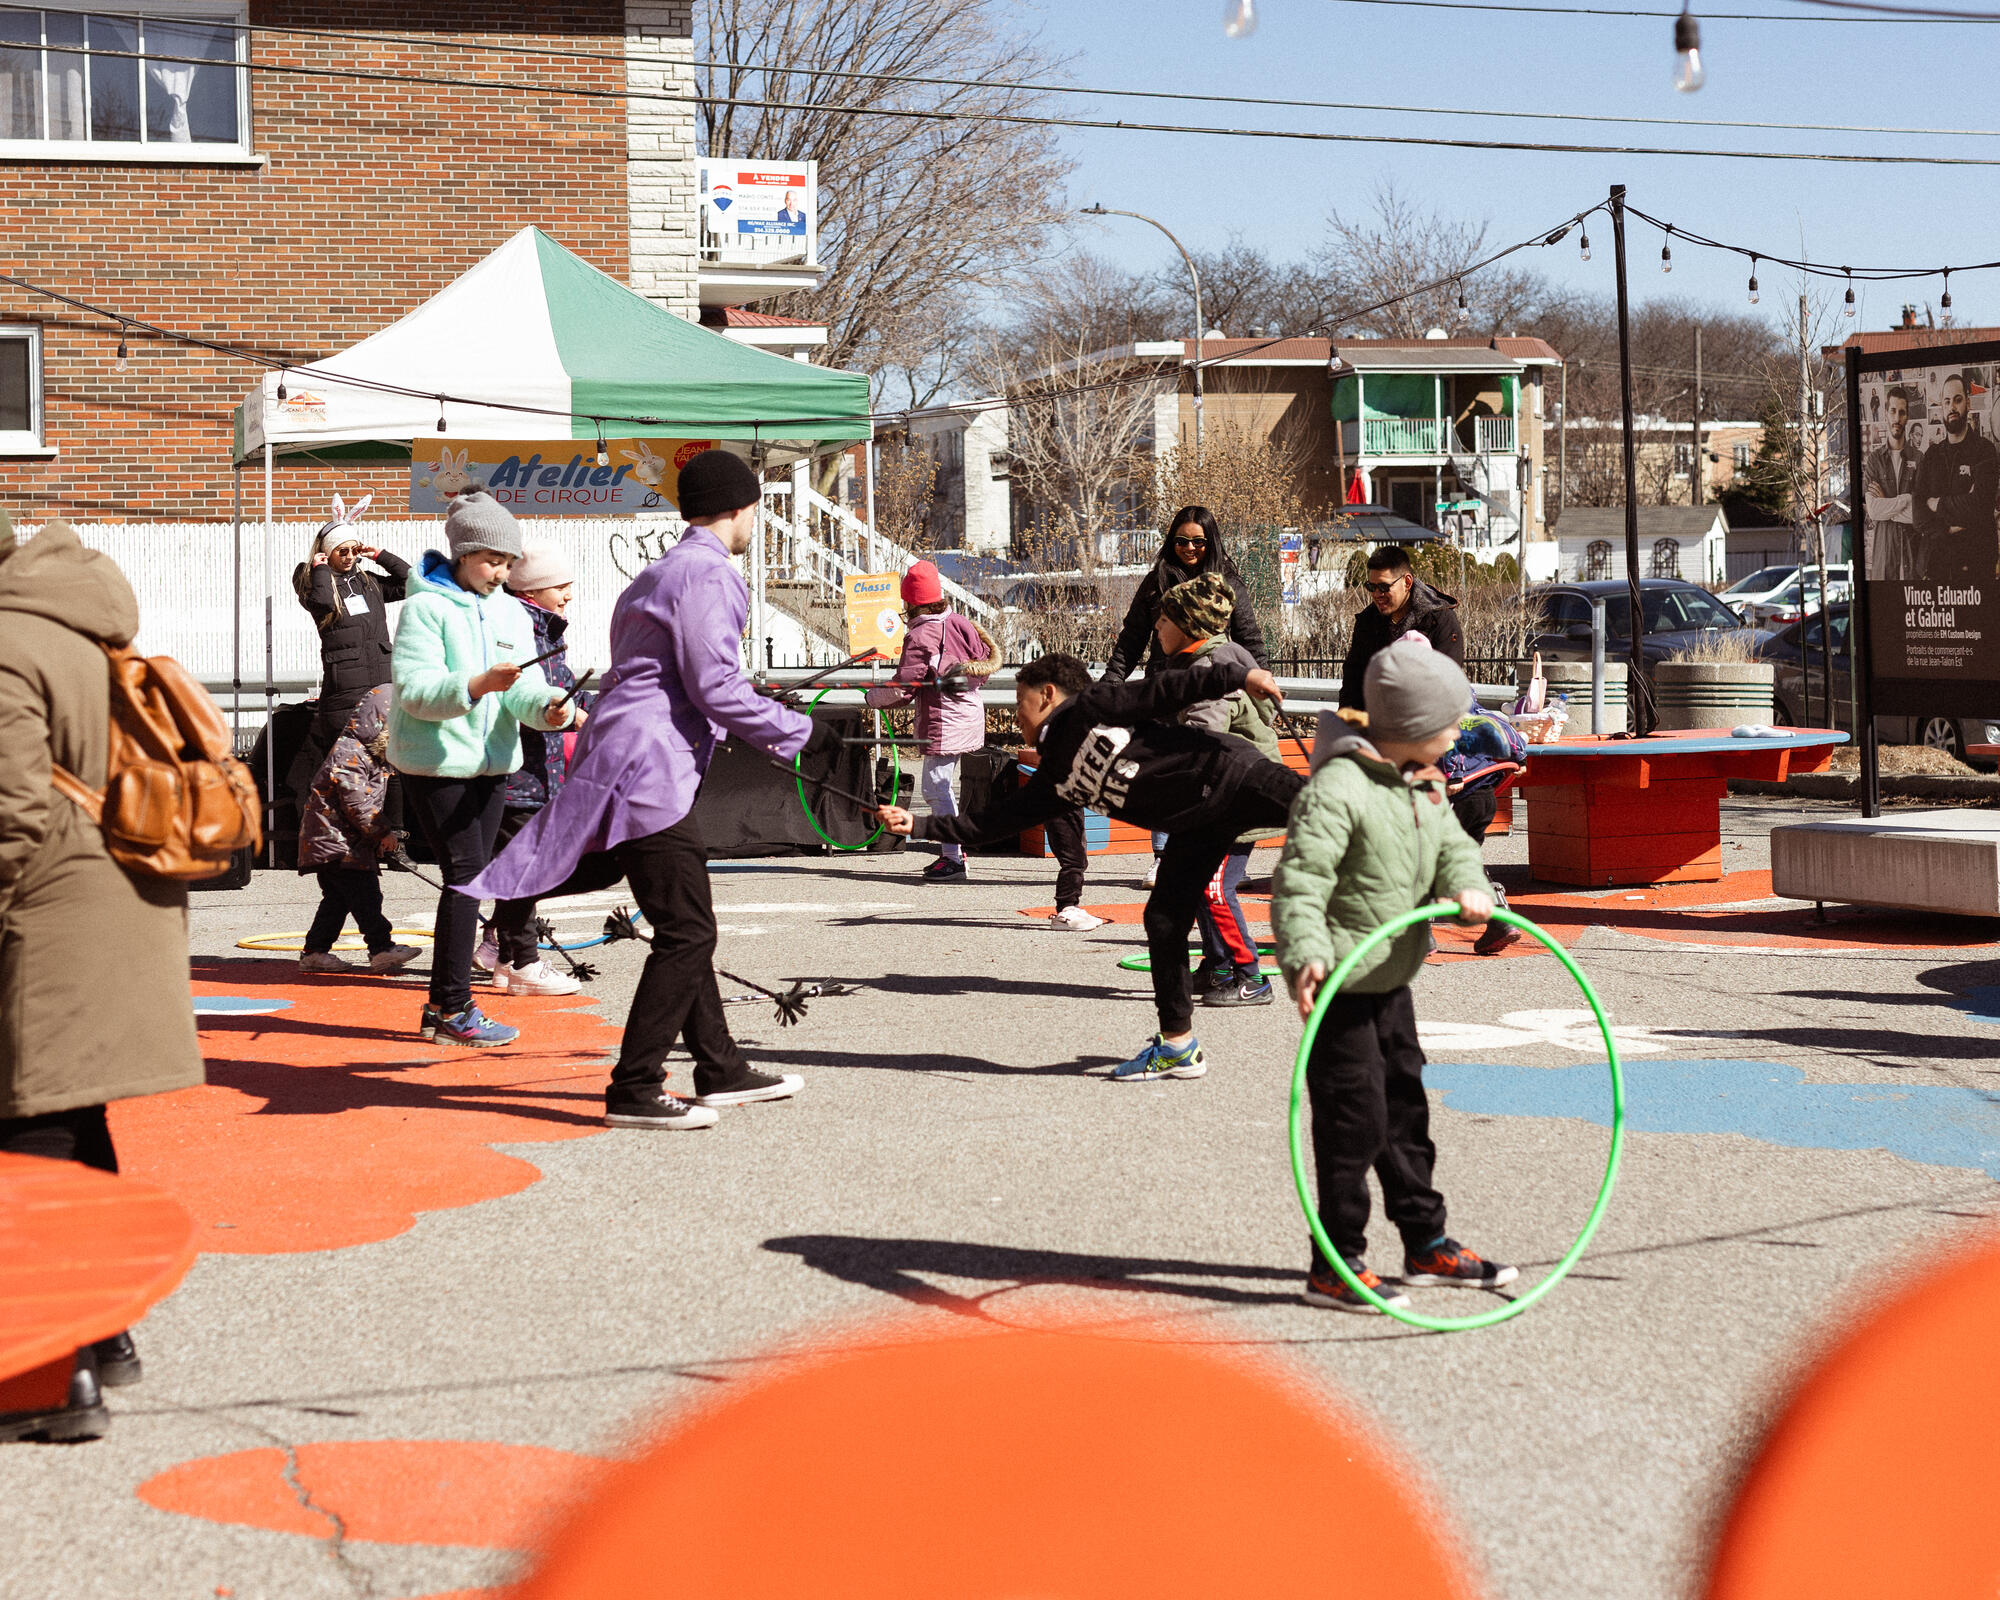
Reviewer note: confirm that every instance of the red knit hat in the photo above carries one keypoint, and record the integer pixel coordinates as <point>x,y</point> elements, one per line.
<point>921,585</point>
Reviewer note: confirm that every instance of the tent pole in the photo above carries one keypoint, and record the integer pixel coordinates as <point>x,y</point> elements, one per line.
<point>236,613</point>
<point>270,685</point>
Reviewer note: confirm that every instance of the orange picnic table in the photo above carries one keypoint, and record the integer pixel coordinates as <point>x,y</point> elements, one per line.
<point>1605,811</point>
<point>83,1254</point>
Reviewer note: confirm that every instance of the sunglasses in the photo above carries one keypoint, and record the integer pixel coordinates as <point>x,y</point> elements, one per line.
<point>1191,544</point>
<point>1382,588</point>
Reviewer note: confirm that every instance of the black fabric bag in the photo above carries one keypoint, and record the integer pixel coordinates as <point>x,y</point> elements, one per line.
<point>749,808</point>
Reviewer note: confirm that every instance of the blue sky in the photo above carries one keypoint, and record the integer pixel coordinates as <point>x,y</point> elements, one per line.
<point>1275,194</point>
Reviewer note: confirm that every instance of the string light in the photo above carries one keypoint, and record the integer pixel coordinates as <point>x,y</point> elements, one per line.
<point>1753,280</point>
<point>1945,303</point>
<point>1239,18</point>
<point>282,395</point>
<point>1586,244</point>
<point>1848,309</point>
<point>440,400</point>
<point>124,355</point>
<point>1463,313</point>
<point>603,455</point>
<point>1689,74</point>
<point>1667,253</point>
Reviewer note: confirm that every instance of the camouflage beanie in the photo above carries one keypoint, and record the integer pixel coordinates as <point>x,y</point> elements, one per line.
<point>1200,606</point>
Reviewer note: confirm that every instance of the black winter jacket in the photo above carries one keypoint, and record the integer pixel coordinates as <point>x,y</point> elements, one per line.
<point>1115,748</point>
<point>352,610</point>
<point>1432,613</point>
<point>1136,640</point>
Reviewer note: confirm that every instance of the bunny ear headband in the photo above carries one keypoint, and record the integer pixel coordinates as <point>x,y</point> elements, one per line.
<point>339,530</point>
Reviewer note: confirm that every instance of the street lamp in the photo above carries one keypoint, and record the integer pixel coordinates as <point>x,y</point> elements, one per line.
<point>1194,277</point>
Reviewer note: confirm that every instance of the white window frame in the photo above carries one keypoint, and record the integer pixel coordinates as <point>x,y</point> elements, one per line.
<point>119,152</point>
<point>14,443</point>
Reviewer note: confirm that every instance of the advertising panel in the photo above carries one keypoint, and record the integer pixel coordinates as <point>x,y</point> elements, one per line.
<point>874,612</point>
<point>1929,495</point>
<point>760,209</point>
<point>555,477</point>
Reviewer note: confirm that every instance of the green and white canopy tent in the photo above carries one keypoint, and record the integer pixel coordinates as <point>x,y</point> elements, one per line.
<point>531,343</point>
<point>534,342</point>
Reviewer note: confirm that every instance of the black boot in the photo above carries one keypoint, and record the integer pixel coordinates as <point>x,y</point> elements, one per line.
<point>118,1361</point>
<point>82,1417</point>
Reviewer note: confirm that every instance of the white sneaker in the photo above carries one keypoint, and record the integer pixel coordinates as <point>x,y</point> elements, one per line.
<point>393,959</point>
<point>1074,919</point>
<point>323,961</point>
<point>537,977</point>
<point>487,957</point>
<point>1152,874</point>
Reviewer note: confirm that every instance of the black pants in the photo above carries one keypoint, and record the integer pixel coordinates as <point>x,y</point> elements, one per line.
<point>1366,1083</point>
<point>1262,798</point>
<point>80,1134</point>
<point>459,818</point>
<point>1064,832</point>
<point>677,998</point>
<point>349,892</point>
<point>511,918</point>
<point>1475,810</point>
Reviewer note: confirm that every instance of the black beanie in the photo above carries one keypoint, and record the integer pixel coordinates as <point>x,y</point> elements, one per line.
<point>716,483</point>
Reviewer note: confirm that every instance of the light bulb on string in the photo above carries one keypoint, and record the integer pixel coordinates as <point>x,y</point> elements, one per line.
<point>1461,313</point>
<point>440,413</point>
<point>124,355</point>
<point>1667,256</point>
<point>1689,74</point>
<point>1754,297</point>
<point>603,455</point>
<point>1239,18</point>
<point>1847,310</point>
<point>283,396</point>
<point>1945,303</point>
<point>1585,246</point>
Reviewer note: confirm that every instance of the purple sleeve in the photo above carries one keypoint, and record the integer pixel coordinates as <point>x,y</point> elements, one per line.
<point>703,636</point>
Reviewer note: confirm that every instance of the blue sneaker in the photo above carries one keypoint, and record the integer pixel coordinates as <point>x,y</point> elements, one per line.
<point>473,1028</point>
<point>1162,1060</point>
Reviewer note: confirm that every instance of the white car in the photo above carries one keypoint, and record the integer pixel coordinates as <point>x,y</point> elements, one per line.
<point>1759,586</point>
<point>1798,597</point>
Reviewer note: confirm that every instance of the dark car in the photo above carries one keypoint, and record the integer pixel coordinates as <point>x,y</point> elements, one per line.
<point>1800,648</point>
<point>1678,615</point>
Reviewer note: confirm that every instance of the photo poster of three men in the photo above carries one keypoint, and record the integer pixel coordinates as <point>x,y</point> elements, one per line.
<point>1926,425</point>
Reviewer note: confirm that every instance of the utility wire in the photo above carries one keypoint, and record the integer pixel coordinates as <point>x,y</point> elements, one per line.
<point>1897,15</point>
<point>1885,13</point>
<point>1029,120</point>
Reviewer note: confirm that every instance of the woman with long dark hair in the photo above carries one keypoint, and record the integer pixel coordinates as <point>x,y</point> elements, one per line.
<point>1193,545</point>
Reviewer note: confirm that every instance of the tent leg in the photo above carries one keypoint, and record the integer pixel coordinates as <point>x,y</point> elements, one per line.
<point>270,686</point>
<point>236,613</point>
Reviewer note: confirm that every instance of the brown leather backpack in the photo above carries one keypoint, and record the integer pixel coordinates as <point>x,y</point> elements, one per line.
<point>176,803</point>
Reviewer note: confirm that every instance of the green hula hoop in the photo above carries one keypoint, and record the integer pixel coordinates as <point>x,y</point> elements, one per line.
<point>799,777</point>
<point>1143,961</point>
<point>1331,987</point>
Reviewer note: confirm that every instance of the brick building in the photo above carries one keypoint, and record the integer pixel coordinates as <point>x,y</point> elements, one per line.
<point>296,212</point>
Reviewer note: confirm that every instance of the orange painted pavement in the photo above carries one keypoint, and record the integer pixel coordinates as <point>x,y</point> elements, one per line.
<point>1881,1474</point>
<point>985,1466</point>
<point>385,1491</point>
<point>334,1124</point>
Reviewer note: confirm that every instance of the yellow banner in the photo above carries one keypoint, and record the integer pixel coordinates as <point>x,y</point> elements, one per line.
<point>874,612</point>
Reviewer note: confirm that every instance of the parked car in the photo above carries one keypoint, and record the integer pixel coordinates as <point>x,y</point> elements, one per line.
<point>1798,596</point>
<point>1798,649</point>
<point>1678,615</point>
<point>1759,586</point>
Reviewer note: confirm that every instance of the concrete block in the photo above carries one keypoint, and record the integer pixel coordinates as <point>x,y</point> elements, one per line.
<point>1944,861</point>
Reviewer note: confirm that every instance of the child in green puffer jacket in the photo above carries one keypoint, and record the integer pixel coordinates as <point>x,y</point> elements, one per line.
<point>1371,836</point>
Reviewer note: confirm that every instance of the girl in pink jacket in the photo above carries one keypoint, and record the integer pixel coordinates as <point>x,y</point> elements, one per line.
<point>940,645</point>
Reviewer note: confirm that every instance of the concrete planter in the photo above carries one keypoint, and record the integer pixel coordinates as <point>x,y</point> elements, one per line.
<point>1571,679</point>
<point>1712,694</point>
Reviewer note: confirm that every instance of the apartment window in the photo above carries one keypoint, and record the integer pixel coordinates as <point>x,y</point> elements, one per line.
<point>20,389</point>
<point>167,85</point>
<point>1740,454</point>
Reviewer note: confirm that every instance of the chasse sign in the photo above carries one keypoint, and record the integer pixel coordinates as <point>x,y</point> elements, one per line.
<point>555,477</point>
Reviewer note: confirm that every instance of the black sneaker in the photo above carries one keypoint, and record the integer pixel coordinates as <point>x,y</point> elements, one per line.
<point>1325,1287</point>
<point>118,1361</point>
<point>1496,937</point>
<point>1448,1264</point>
<point>81,1416</point>
<point>943,870</point>
<point>747,1084</point>
<point>1204,980</point>
<point>1240,992</point>
<point>657,1109</point>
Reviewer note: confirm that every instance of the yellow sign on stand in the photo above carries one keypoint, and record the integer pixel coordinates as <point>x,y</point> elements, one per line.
<point>874,612</point>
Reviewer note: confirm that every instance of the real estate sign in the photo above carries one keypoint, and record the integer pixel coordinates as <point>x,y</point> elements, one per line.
<point>1927,490</point>
<point>555,477</point>
<point>760,209</point>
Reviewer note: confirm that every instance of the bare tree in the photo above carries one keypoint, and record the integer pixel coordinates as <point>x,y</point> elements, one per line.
<point>1083,301</point>
<point>912,213</point>
<point>905,475</point>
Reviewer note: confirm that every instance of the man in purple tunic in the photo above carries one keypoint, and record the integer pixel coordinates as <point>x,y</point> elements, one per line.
<point>627,810</point>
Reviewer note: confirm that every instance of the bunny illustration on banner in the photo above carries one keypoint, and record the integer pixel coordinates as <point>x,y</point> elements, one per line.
<point>652,466</point>
<point>449,474</point>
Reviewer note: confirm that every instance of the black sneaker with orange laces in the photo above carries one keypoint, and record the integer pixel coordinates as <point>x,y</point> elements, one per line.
<point>1448,1264</point>
<point>1325,1287</point>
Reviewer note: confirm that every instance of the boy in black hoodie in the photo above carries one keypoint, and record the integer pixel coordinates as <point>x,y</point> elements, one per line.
<point>1114,746</point>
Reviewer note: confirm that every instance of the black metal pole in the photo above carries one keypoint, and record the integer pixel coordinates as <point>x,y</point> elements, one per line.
<point>1639,692</point>
<point>1860,625</point>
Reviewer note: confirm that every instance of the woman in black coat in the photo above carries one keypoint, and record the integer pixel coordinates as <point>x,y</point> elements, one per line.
<point>1193,545</point>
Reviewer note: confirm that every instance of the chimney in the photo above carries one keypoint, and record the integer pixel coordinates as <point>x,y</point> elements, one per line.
<point>1909,316</point>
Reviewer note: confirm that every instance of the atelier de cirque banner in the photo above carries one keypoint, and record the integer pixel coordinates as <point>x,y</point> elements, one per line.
<point>555,477</point>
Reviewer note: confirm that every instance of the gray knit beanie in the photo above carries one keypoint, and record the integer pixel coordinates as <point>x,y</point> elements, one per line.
<point>476,521</point>
<point>1412,691</point>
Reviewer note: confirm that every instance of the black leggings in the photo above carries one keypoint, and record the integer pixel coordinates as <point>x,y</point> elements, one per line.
<point>349,892</point>
<point>1065,836</point>
<point>512,933</point>
<point>80,1134</point>
<point>459,819</point>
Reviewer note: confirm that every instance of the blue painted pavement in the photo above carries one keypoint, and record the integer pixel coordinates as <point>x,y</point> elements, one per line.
<point>1939,1124</point>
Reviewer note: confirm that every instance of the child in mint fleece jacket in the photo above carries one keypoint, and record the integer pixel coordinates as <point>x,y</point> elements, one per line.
<point>462,694</point>
<point>1371,836</point>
